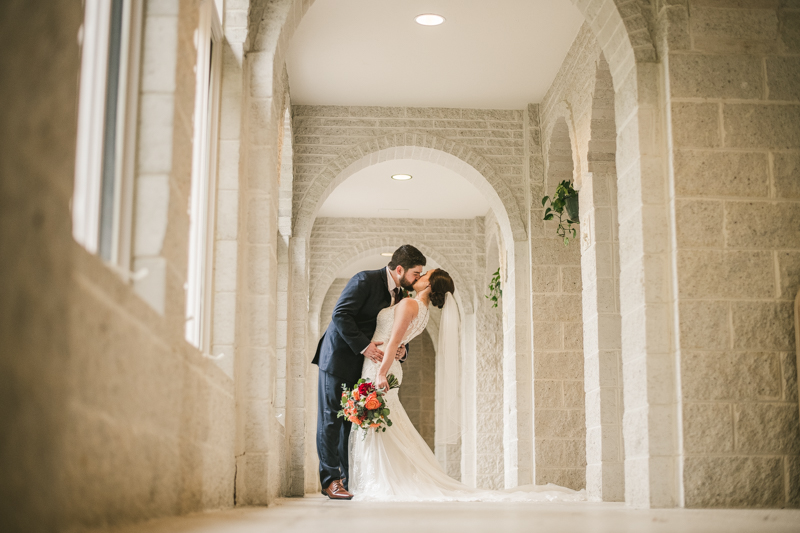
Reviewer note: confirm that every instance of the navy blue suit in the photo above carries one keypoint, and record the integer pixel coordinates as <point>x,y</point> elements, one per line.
<point>340,361</point>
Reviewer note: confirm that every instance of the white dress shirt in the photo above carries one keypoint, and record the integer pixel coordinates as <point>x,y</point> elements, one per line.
<point>391,284</point>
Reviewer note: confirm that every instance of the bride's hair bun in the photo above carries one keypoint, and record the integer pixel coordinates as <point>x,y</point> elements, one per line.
<point>441,284</point>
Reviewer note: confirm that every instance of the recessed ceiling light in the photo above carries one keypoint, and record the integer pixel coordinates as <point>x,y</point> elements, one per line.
<point>387,254</point>
<point>401,177</point>
<point>429,19</point>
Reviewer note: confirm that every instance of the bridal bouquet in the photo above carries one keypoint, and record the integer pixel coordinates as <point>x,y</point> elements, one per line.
<point>365,406</point>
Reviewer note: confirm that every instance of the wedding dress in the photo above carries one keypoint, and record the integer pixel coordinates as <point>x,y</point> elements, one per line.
<point>398,465</point>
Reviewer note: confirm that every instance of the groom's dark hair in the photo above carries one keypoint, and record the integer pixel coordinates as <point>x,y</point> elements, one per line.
<point>407,257</point>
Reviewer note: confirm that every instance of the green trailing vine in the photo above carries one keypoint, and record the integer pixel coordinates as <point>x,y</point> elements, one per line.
<point>565,199</point>
<point>495,290</point>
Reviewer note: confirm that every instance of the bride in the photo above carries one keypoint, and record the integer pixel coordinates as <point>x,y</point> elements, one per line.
<point>398,465</point>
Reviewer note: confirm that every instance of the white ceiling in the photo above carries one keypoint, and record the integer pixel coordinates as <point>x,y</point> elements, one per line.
<point>374,262</point>
<point>496,54</point>
<point>433,192</point>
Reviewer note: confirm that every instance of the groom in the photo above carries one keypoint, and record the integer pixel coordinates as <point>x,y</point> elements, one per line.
<point>341,352</point>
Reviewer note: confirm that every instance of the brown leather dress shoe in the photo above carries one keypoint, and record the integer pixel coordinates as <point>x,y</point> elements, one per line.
<point>336,491</point>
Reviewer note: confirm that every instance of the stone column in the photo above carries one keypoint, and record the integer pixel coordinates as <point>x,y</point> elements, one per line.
<point>648,357</point>
<point>517,371</point>
<point>605,476</point>
<point>468,401</point>
<point>299,412</point>
<point>601,337</point>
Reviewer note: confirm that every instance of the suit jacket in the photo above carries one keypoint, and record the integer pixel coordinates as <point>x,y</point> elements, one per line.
<point>353,324</point>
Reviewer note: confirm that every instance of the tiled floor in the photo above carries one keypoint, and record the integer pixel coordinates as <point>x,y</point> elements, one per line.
<point>319,515</point>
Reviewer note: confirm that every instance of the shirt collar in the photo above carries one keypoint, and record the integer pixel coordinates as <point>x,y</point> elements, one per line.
<point>390,280</point>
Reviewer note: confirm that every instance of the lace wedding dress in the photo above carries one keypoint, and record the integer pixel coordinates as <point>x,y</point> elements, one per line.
<point>398,465</point>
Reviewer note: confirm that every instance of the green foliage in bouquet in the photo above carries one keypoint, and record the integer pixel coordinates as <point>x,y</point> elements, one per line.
<point>365,405</point>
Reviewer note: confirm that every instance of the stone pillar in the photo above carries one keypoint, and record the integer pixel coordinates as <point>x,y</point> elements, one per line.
<point>258,468</point>
<point>517,371</point>
<point>226,246</point>
<point>601,337</point>
<point>299,412</point>
<point>469,389</point>
<point>648,358</point>
<point>489,372</point>
<point>605,475</point>
<point>281,363</point>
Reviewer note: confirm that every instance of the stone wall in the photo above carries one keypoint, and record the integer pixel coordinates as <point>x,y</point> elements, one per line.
<point>330,138</point>
<point>115,416</point>
<point>332,296</point>
<point>335,242</point>
<point>734,112</point>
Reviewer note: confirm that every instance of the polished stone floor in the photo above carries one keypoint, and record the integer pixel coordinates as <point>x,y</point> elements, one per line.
<point>319,515</point>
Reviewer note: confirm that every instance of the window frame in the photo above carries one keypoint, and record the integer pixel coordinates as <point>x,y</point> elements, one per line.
<point>87,201</point>
<point>202,204</point>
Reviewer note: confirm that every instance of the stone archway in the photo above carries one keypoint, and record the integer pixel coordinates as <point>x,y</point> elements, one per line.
<point>623,35</point>
<point>421,147</point>
<point>448,453</point>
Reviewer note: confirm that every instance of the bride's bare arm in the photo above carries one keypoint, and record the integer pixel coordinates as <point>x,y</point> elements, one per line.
<point>404,313</point>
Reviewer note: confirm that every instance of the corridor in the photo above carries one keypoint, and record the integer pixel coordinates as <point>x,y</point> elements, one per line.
<point>314,514</point>
<point>187,186</point>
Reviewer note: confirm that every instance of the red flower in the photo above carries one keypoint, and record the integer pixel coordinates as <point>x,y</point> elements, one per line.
<point>365,388</point>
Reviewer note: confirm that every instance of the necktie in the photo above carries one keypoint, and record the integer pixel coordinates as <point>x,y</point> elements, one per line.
<point>397,295</point>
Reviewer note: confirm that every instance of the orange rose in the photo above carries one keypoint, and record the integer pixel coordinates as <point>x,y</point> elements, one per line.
<point>372,402</point>
<point>356,395</point>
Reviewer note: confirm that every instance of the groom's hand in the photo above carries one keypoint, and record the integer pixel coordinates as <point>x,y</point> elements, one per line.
<point>401,351</point>
<point>373,353</point>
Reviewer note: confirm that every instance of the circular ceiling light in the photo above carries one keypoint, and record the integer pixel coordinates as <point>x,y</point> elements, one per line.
<point>401,177</point>
<point>429,19</point>
<point>387,254</point>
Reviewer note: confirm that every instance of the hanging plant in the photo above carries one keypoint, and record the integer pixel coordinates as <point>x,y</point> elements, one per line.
<point>565,199</point>
<point>495,290</point>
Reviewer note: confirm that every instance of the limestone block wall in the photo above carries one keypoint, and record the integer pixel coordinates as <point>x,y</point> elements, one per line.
<point>418,392</point>
<point>336,241</point>
<point>37,160</point>
<point>329,138</point>
<point>326,311</point>
<point>114,416</point>
<point>734,113</point>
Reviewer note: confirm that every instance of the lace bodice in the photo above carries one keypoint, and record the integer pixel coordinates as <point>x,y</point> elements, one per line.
<point>383,331</point>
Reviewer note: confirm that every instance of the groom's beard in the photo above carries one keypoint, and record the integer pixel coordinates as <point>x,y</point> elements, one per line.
<point>407,285</point>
